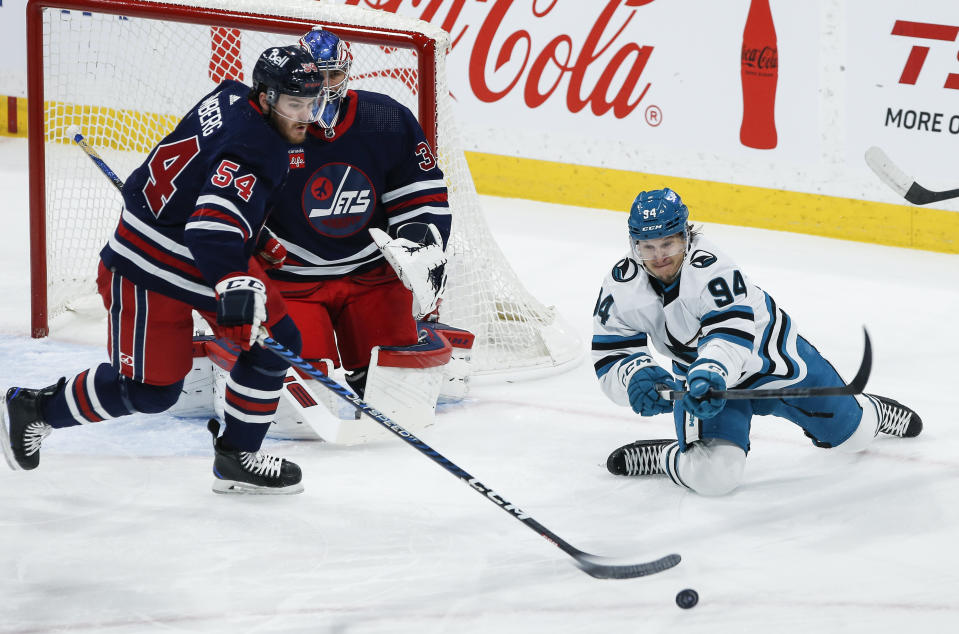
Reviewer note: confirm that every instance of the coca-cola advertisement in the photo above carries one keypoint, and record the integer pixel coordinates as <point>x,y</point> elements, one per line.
<point>766,93</point>
<point>760,74</point>
<point>644,85</point>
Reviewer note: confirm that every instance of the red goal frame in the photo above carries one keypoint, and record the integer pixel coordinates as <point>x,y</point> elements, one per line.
<point>423,45</point>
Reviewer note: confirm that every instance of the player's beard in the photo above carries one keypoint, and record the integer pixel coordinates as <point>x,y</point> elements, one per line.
<point>292,131</point>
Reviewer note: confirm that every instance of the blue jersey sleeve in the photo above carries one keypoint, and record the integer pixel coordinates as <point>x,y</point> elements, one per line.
<point>415,189</point>
<point>194,208</point>
<point>229,213</point>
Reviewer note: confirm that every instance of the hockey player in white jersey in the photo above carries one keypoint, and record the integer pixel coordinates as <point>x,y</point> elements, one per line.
<point>677,293</point>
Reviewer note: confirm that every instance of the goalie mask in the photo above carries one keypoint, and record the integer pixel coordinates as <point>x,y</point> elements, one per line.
<point>658,232</point>
<point>333,58</point>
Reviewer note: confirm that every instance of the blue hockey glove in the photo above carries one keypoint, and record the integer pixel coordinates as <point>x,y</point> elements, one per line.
<point>643,396</point>
<point>705,375</point>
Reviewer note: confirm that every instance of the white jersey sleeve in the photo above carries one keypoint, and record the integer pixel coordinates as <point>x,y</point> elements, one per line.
<point>625,314</point>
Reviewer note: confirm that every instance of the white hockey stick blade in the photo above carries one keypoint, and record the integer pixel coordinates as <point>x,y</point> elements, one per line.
<point>901,183</point>
<point>887,171</point>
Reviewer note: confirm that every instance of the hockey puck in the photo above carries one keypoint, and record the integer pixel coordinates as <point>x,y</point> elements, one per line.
<point>687,598</point>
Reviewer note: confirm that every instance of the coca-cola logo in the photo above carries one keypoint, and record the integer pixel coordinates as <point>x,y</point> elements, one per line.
<point>765,58</point>
<point>604,72</point>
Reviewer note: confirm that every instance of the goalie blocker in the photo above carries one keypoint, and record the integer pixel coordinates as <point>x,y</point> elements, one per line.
<point>405,383</point>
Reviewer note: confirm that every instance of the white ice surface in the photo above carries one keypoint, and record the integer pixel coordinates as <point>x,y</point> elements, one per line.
<point>118,531</point>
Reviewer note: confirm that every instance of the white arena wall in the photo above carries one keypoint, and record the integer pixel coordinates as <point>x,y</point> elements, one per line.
<point>588,103</point>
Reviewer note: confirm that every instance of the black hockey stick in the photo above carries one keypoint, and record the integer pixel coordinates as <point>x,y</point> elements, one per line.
<point>904,185</point>
<point>856,386</point>
<point>593,565</point>
<point>74,133</point>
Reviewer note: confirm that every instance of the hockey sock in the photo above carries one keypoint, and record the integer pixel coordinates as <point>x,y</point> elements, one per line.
<point>101,393</point>
<point>253,390</point>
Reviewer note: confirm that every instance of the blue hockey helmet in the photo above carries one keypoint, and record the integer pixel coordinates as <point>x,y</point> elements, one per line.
<point>333,58</point>
<point>657,214</point>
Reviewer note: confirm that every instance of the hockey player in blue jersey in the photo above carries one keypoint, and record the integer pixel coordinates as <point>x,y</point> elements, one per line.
<point>678,293</point>
<point>363,219</point>
<point>191,220</point>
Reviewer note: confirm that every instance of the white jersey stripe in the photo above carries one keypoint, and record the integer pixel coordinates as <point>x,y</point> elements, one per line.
<point>211,199</point>
<point>252,392</point>
<point>208,225</point>
<point>419,211</point>
<point>302,254</point>
<point>155,236</point>
<point>412,187</point>
<point>152,269</point>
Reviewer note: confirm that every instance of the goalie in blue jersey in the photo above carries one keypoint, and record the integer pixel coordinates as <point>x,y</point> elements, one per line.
<point>677,293</point>
<point>190,224</point>
<point>359,233</point>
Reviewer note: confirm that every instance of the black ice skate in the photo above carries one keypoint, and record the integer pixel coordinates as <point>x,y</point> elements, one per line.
<point>249,472</point>
<point>638,458</point>
<point>895,418</point>
<point>23,428</point>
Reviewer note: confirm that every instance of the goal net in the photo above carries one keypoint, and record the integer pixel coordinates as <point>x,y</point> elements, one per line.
<point>125,71</point>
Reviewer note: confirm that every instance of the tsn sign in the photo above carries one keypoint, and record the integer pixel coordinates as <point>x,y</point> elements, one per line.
<point>603,71</point>
<point>925,32</point>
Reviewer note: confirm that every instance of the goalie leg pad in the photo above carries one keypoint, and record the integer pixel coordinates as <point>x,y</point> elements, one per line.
<point>301,413</point>
<point>196,397</point>
<point>403,383</point>
<point>305,408</point>
<point>456,373</point>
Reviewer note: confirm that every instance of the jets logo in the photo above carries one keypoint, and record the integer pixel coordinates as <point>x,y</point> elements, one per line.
<point>338,200</point>
<point>701,259</point>
<point>625,270</point>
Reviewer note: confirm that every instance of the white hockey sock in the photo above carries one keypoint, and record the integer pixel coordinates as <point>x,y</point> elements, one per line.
<point>867,429</point>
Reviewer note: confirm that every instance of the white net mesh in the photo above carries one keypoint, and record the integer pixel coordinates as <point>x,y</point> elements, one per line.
<point>126,81</point>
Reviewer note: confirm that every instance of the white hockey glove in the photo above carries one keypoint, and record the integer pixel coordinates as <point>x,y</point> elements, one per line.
<point>240,308</point>
<point>421,266</point>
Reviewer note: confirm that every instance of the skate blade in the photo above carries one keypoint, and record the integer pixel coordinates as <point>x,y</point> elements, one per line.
<point>232,487</point>
<point>5,438</point>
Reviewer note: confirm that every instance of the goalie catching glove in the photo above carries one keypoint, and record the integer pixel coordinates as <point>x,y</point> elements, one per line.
<point>417,256</point>
<point>240,308</point>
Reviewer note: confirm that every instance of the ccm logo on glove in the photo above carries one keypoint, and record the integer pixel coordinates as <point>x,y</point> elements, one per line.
<point>240,308</point>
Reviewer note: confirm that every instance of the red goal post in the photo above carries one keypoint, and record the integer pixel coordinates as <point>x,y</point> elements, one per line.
<point>126,70</point>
